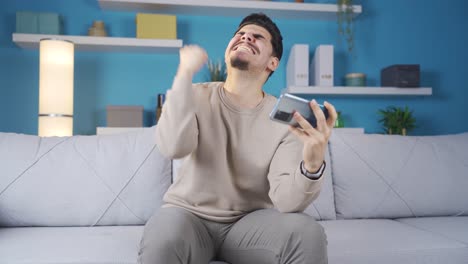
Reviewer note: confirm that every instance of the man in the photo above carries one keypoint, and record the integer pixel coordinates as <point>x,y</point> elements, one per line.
<point>244,179</point>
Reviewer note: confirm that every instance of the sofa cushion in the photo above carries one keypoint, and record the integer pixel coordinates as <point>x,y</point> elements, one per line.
<point>81,180</point>
<point>455,228</point>
<point>71,245</point>
<point>382,241</point>
<point>86,245</point>
<point>384,176</point>
<point>323,208</point>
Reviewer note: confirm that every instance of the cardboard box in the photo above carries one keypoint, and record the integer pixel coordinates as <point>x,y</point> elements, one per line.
<point>38,23</point>
<point>153,26</point>
<point>50,23</point>
<point>124,116</point>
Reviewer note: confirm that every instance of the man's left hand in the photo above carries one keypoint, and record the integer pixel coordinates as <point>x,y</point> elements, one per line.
<point>315,139</point>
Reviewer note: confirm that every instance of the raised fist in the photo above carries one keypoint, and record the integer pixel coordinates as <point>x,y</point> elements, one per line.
<point>192,58</point>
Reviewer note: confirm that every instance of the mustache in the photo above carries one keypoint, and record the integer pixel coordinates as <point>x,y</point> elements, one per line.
<point>248,44</point>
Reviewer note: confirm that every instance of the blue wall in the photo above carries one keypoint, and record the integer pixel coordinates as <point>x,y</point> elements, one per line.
<point>429,32</point>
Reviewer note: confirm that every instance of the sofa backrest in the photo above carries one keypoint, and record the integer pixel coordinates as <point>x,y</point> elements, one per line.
<point>384,176</point>
<point>323,208</point>
<point>81,180</point>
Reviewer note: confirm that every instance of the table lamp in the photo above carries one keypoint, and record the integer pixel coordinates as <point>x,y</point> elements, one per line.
<point>56,63</point>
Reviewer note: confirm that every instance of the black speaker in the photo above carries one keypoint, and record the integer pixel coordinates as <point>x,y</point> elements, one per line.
<point>401,75</point>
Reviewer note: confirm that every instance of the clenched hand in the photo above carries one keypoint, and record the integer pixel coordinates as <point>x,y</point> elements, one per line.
<point>192,59</point>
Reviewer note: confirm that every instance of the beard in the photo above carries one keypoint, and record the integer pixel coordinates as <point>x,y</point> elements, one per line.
<point>239,64</point>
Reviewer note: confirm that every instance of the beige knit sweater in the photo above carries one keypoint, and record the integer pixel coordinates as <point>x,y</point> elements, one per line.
<point>236,160</point>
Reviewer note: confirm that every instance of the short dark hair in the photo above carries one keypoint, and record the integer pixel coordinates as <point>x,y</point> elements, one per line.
<point>265,22</point>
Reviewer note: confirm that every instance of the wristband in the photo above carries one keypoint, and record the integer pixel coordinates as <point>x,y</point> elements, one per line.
<point>311,175</point>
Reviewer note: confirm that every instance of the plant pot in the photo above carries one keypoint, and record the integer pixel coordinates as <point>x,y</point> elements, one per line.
<point>403,131</point>
<point>355,79</point>
<point>339,120</point>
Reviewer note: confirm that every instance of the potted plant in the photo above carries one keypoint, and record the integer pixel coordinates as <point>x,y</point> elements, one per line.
<point>397,120</point>
<point>217,71</point>
<point>345,16</point>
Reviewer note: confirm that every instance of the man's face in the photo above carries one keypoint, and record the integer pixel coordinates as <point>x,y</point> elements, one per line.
<point>250,49</point>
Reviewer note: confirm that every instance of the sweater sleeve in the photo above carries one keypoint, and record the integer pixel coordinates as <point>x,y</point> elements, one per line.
<point>290,190</point>
<point>177,129</point>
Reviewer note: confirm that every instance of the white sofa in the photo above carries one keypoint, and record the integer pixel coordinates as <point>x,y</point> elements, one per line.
<point>85,199</point>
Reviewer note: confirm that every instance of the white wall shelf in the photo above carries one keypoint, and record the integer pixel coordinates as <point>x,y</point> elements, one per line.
<point>360,91</point>
<point>288,10</point>
<point>87,43</point>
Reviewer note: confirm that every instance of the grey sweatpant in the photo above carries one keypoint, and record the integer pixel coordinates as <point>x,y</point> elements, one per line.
<point>176,236</point>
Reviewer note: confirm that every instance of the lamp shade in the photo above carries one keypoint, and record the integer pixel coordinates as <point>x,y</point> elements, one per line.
<point>56,64</point>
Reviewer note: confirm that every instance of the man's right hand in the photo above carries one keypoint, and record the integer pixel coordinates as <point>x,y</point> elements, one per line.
<point>192,59</point>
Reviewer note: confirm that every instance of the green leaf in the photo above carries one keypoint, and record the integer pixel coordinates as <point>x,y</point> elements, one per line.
<point>395,119</point>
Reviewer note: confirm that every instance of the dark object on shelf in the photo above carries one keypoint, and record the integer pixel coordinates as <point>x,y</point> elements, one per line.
<point>161,99</point>
<point>401,75</point>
